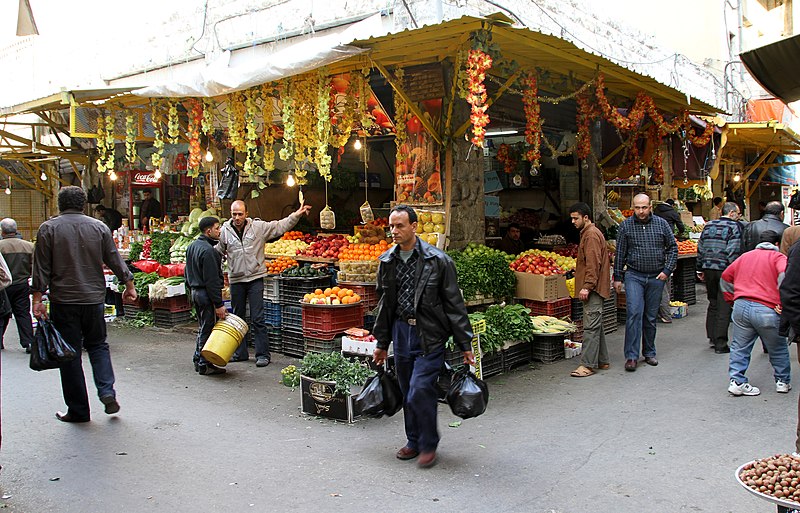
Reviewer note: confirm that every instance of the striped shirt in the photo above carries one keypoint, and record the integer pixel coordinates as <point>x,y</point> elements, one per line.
<point>646,247</point>
<point>719,245</point>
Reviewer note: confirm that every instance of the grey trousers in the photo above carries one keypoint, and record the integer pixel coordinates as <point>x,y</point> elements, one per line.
<point>594,351</point>
<point>664,309</point>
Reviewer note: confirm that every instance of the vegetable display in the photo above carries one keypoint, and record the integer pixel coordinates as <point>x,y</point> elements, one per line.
<point>160,248</point>
<point>177,252</point>
<point>141,282</point>
<point>305,271</point>
<point>544,324</point>
<point>483,270</point>
<point>135,251</point>
<point>335,367</point>
<point>778,476</point>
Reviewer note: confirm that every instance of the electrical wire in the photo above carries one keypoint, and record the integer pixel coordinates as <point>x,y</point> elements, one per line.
<point>197,40</point>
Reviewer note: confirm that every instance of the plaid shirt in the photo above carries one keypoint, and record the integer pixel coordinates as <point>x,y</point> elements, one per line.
<point>647,247</point>
<point>406,272</point>
<point>720,244</point>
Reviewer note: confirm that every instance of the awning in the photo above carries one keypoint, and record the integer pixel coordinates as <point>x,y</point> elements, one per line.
<point>223,76</point>
<point>775,67</point>
<point>758,147</point>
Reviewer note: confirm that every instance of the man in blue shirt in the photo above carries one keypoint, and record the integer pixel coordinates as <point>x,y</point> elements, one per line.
<point>646,255</point>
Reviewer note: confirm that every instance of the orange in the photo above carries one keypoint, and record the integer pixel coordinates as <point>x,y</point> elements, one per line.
<point>327,291</point>
<point>350,292</point>
<point>356,298</point>
<point>318,292</point>
<point>335,290</point>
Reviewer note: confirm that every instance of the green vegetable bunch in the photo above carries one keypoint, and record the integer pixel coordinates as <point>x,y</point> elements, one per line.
<point>162,242</point>
<point>290,376</point>
<point>504,323</point>
<point>335,367</point>
<point>141,320</point>
<point>141,282</point>
<point>135,251</point>
<point>483,270</point>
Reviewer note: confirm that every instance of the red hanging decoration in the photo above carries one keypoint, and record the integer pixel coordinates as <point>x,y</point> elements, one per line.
<point>533,120</point>
<point>478,63</point>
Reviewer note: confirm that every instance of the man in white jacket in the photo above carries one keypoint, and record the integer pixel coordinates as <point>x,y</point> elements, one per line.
<point>242,240</point>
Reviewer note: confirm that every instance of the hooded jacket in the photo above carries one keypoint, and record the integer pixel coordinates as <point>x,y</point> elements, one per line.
<point>668,213</point>
<point>246,254</point>
<point>755,276</point>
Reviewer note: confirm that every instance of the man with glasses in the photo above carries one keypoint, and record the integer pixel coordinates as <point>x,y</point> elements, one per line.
<point>720,244</point>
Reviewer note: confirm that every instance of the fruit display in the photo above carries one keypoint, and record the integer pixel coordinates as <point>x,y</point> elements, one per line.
<point>431,226</point>
<point>359,271</point>
<point>146,248</point>
<point>627,212</point>
<point>544,324</point>
<point>616,214</point>
<point>305,271</point>
<point>370,233</point>
<point>332,296</point>
<point>552,240</point>
<point>778,476</point>
<point>326,247</point>
<point>293,235</point>
<point>537,261</point>
<point>363,251</point>
<point>285,247</point>
<point>698,228</point>
<point>687,247</point>
<point>279,264</point>
<point>483,271</point>
<point>570,250</point>
<point>571,287</point>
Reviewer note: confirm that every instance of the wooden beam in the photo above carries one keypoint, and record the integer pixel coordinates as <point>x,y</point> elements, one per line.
<point>41,185</point>
<point>503,88</point>
<point>412,105</point>
<point>621,146</point>
<point>752,168</point>
<point>18,178</point>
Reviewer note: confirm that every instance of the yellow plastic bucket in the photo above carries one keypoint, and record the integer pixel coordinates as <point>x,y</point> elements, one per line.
<point>225,338</point>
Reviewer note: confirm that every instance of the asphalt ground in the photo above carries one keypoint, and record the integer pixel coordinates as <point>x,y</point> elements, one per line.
<point>661,439</point>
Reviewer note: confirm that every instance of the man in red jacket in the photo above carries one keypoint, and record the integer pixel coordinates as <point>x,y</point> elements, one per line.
<point>751,283</point>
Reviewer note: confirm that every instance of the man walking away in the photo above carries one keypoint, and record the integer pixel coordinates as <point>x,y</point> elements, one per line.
<point>593,280</point>
<point>203,274</point>
<point>71,249</point>
<point>18,254</point>
<point>719,245</point>
<point>752,284</point>
<point>790,236</point>
<point>419,307</point>
<point>716,210</point>
<point>646,255</point>
<point>667,212</point>
<point>242,241</point>
<point>771,220</point>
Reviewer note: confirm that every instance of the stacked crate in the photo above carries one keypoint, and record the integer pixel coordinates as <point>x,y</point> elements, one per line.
<point>290,292</point>
<point>683,281</point>
<point>272,318</point>
<point>323,325</point>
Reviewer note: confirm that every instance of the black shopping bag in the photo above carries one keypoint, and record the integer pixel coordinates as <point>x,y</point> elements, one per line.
<point>380,396</point>
<point>49,349</point>
<point>468,396</point>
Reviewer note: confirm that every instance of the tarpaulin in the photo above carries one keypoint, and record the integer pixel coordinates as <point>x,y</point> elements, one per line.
<point>784,175</point>
<point>775,67</point>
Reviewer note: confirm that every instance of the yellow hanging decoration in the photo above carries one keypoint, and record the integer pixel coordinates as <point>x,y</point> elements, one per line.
<point>130,137</point>
<point>157,118</point>
<point>101,143</point>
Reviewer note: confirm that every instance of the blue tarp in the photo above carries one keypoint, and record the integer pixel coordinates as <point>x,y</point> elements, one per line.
<point>784,175</point>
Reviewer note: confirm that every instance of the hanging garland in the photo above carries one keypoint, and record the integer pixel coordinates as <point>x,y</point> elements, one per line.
<point>402,114</point>
<point>110,141</point>
<point>268,92</point>
<point>195,124</point>
<point>478,63</point>
<point>157,118</point>
<point>321,157</point>
<point>364,93</point>
<point>587,113</point>
<point>346,116</point>
<point>236,122</point>
<point>131,132</point>
<point>173,123</point>
<point>533,121</point>
<point>101,143</point>
<point>250,133</point>
<point>506,157</point>
<point>287,117</point>
<point>208,116</point>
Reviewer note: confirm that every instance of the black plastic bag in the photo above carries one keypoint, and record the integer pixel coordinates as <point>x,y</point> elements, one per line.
<point>380,396</point>
<point>49,349</point>
<point>468,395</point>
<point>444,381</point>
<point>229,186</point>
<point>95,194</point>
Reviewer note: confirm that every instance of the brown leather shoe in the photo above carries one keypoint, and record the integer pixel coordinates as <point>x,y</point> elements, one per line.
<point>604,366</point>
<point>630,365</point>
<point>407,453</point>
<point>651,360</point>
<point>426,459</point>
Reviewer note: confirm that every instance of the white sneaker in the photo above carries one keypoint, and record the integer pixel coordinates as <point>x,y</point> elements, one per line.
<point>782,388</point>
<point>744,389</point>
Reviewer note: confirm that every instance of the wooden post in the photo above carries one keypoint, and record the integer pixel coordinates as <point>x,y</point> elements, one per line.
<point>596,175</point>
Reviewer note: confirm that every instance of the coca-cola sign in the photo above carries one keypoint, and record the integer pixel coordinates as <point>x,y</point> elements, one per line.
<point>145,178</point>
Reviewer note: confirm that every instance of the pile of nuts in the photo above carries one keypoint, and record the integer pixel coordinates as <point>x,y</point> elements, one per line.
<point>778,476</point>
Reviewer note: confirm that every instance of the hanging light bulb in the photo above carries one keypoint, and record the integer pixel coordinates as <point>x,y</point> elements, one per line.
<point>157,174</point>
<point>8,190</point>
<point>290,181</point>
<point>113,176</point>
<point>43,176</point>
<point>209,156</point>
<point>737,177</point>
<point>357,145</point>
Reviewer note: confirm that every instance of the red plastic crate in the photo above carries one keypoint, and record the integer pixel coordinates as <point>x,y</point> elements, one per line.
<point>559,308</point>
<point>368,293</point>
<point>325,322</point>
<point>173,304</point>
<point>142,303</point>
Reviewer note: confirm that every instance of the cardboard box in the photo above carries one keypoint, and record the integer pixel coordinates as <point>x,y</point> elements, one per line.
<point>320,398</point>
<point>539,287</point>
<point>679,312</point>
<point>686,218</point>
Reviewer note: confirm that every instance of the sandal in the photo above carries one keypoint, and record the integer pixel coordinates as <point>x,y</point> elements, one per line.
<point>582,372</point>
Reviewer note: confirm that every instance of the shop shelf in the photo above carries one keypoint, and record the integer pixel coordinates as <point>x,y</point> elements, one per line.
<point>316,345</point>
<point>172,304</point>
<point>271,288</point>
<point>272,313</point>
<point>166,319</point>
<point>292,290</point>
<point>559,308</point>
<point>327,321</point>
<point>368,292</point>
<point>292,317</point>
<point>275,339</point>
<point>292,343</point>
<point>548,348</point>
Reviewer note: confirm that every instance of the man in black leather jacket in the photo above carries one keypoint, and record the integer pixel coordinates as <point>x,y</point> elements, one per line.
<point>419,307</point>
<point>771,220</point>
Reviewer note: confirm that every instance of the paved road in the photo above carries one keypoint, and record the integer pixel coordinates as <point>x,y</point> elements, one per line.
<point>662,439</point>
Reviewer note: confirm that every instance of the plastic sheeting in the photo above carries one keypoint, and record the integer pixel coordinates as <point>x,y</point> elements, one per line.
<point>775,66</point>
<point>220,77</point>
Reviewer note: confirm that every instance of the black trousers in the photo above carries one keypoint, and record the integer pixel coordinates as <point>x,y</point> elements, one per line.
<point>83,326</point>
<point>718,315</point>
<point>206,318</point>
<point>20,300</point>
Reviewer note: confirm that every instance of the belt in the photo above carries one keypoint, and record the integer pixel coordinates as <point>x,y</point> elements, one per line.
<point>410,321</point>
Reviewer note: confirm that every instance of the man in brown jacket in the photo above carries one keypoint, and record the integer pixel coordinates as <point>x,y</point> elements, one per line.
<point>593,283</point>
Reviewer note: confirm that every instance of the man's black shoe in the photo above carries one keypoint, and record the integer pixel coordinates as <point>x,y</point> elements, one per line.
<point>211,369</point>
<point>67,417</point>
<point>724,350</point>
<point>111,404</point>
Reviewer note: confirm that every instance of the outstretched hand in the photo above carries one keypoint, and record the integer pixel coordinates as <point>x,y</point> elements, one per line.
<point>305,209</point>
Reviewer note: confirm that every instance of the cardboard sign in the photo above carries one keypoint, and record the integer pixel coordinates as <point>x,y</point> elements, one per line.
<point>491,182</point>
<point>491,206</point>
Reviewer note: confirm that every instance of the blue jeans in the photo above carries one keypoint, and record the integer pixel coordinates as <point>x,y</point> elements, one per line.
<point>750,321</point>
<point>642,300</point>
<point>206,318</point>
<point>251,292</point>
<point>83,326</point>
<point>417,374</point>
